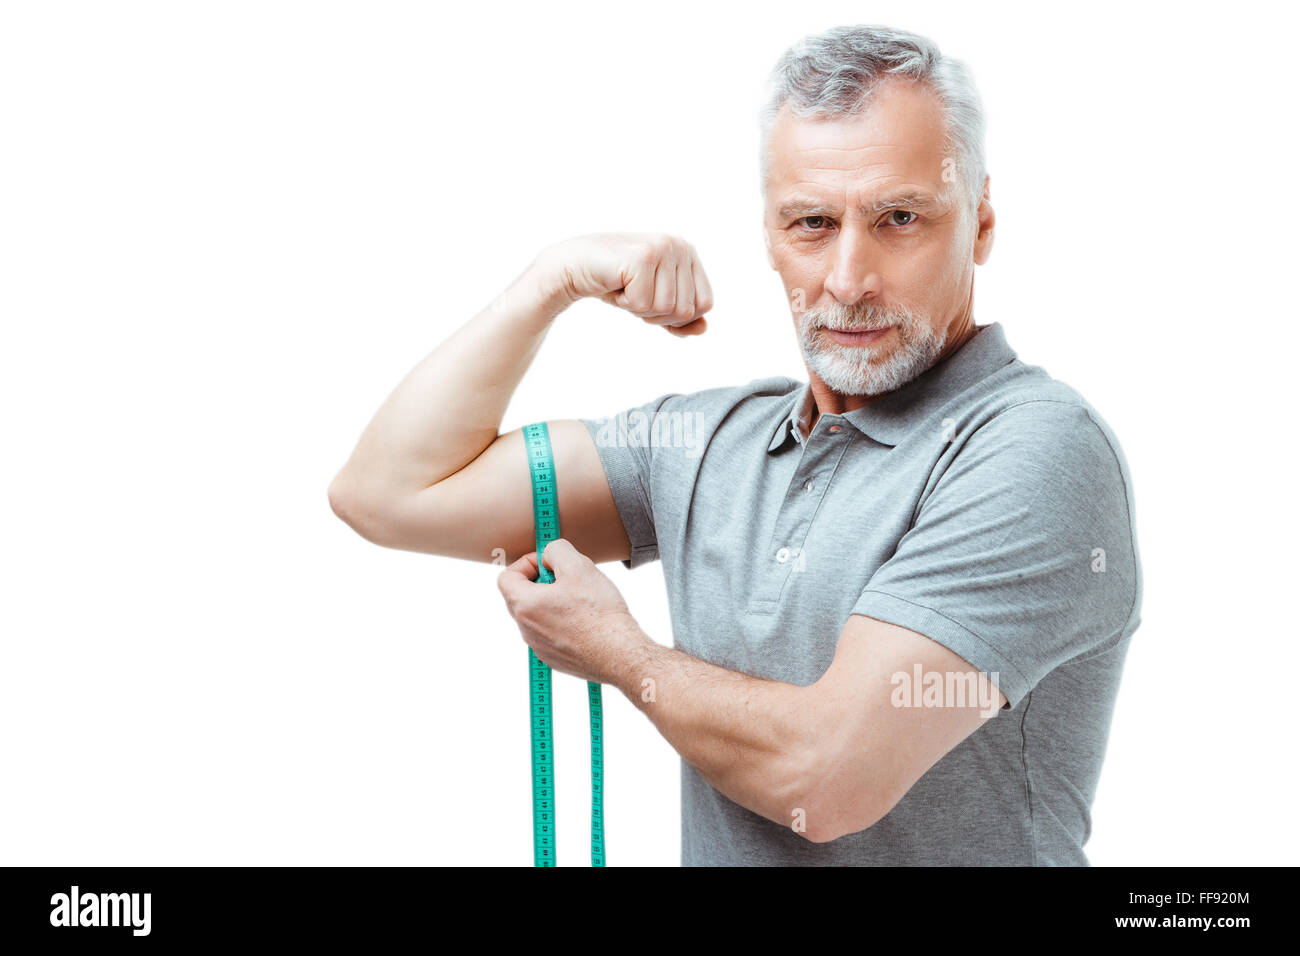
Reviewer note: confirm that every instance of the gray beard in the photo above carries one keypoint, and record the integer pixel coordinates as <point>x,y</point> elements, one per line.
<point>868,369</point>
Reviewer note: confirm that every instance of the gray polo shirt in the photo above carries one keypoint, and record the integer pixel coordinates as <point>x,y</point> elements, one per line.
<point>984,504</point>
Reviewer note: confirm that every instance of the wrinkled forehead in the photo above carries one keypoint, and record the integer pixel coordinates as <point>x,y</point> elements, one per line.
<point>900,138</point>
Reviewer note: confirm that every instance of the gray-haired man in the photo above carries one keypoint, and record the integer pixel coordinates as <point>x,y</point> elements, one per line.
<point>901,592</point>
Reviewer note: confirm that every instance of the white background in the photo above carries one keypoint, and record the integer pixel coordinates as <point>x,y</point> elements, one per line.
<point>228,229</point>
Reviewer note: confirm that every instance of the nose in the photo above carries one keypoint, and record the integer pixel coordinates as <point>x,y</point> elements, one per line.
<point>854,275</point>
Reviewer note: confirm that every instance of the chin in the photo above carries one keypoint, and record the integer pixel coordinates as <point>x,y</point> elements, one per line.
<point>886,373</point>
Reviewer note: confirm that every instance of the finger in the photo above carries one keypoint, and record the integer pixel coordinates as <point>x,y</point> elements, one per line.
<point>703,290</point>
<point>665,284</point>
<point>698,327</point>
<point>515,580</point>
<point>512,585</point>
<point>684,304</point>
<point>638,293</point>
<point>703,298</point>
<point>526,565</point>
<point>562,557</point>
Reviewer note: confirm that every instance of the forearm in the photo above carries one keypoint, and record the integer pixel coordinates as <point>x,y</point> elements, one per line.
<point>449,407</point>
<point>752,739</point>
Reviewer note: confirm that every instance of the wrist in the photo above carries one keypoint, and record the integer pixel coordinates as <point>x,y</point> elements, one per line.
<point>637,664</point>
<point>547,283</point>
<point>535,297</point>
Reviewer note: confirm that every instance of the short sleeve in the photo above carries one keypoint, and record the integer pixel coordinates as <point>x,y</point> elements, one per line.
<point>627,456</point>
<point>1023,555</point>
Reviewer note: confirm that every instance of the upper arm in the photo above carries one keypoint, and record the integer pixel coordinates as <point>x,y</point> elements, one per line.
<point>871,746</point>
<point>486,507</point>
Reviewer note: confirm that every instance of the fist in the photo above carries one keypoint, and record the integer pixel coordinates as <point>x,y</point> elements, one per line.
<point>652,275</point>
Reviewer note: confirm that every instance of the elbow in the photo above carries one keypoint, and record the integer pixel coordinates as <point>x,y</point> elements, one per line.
<point>815,835</point>
<point>357,509</point>
<point>828,801</point>
<point>827,821</point>
<point>826,827</point>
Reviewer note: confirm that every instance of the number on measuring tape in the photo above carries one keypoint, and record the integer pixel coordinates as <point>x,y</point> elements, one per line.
<point>546,528</point>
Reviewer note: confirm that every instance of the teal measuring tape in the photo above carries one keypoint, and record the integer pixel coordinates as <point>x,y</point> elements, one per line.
<point>546,527</point>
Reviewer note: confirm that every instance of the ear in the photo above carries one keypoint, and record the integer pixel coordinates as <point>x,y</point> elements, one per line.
<point>985,221</point>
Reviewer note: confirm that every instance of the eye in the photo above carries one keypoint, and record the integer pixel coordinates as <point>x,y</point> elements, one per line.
<point>893,217</point>
<point>813,223</point>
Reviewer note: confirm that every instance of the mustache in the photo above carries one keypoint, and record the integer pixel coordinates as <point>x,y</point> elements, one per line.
<point>857,320</point>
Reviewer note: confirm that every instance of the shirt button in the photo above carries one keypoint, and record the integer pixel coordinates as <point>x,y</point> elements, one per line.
<point>833,428</point>
<point>809,485</point>
<point>783,556</point>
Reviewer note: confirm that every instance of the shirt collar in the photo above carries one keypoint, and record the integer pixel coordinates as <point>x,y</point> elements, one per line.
<point>891,417</point>
<point>796,414</point>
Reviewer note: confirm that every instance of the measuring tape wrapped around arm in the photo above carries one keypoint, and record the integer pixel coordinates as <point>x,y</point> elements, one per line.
<point>546,526</point>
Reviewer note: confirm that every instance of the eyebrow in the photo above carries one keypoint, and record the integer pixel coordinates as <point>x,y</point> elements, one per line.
<point>799,206</point>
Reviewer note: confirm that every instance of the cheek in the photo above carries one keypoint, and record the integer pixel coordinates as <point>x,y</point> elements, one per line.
<point>798,274</point>
<point>932,275</point>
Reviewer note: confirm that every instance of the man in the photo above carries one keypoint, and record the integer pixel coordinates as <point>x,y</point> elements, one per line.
<point>901,592</point>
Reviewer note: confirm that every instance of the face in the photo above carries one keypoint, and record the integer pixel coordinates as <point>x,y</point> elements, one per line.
<point>867,223</point>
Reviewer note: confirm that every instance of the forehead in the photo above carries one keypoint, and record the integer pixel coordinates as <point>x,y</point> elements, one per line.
<point>899,138</point>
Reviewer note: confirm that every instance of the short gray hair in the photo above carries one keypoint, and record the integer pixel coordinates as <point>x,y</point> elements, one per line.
<point>832,74</point>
